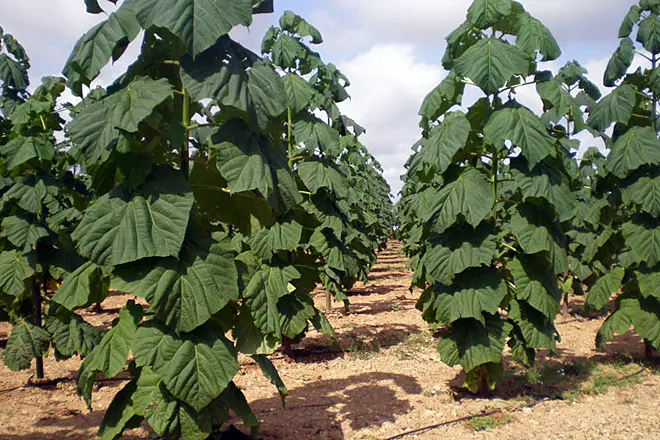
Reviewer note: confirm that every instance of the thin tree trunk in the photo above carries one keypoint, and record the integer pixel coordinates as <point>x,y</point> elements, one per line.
<point>36,301</point>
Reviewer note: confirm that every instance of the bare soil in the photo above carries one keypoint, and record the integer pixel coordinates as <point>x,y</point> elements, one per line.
<point>383,379</point>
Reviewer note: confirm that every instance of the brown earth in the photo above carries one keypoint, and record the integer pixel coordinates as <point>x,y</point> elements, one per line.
<point>386,381</point>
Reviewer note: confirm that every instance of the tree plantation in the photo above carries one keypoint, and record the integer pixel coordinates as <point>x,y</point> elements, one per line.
<point>209,220</point>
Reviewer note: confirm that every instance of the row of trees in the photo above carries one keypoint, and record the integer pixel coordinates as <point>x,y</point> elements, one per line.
<point>217,185</point>
<point>499,215</point>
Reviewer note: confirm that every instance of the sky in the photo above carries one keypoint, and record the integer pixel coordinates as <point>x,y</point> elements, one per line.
<point>390,50</point>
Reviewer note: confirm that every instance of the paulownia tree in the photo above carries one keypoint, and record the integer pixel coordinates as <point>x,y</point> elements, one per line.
<point>631,178</point>
<point>486,193</point>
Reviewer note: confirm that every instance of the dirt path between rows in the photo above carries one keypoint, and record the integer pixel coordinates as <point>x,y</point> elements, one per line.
<point>387,382</point>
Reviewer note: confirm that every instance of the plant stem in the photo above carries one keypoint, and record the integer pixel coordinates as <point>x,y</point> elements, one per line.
<point>289,135</point>
<point>36,302</point>
<point>654,62</point>
<point>185,121</point>
<point>494,183</point>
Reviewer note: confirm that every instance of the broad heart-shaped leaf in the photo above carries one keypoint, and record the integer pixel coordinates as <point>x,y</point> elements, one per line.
<point>22,233</point>
<point>441,263</point>
<point>605,287</point>
<point>544,182</point>
<point>316,135</point>
<point>629,21</point>
<point>317,174</point>
<point>85,286</point>
<point>12,73</point>
<point>280,237</point>
<point>195,367</point>
<point>71,334</point>
<point>645,193</point>
<point>186,292</point>
<point>524,129</point>
<point>643,313</point>
<point>26,342</point>
<point>485,13</point>
<point>619,63</point>
<point>649,283</point>
<point>96,130</point>
<point>490,63</point>
<point>532,235</point>
<point>286,51</point>
<point>299,92</point>
<point>470,344</point>
<point>446,95</point>
<point>22,149</point>
<point>197,23</point>
<point>264,291</point>
<point>537,330</point>
<point>616,107</point>
<point>249,161</point>
<point>15,271</point>
<point>438,151</point>
<point>29,193</point>
<point>475,294</point>
<point>638,146</point>
<point>469,195</point>
<point>643,239</point>
<point>533,36</point>
<point>93,50</point>
<point>122,227</point>
<point>536,284</point>
<point>110,355</point>
<point>236,78</point>
<point>616,324</point>
<point>649,33</point>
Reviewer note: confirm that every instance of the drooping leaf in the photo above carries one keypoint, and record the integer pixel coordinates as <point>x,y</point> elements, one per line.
<point>490,63</point>
<point>316,135</point>
<point>26,342</point>
<point>87,285</point>
<point>197,23</point>
<point>619,63</point>
<point>639,146</point>
<point>533,36</point>
<point>629,21</point>
<point>616,107</point>
<point>485,13</point>
<point>536,285</point>
<point>317,174</point>
<point>649,33</point>
<point>298,91</point>
<point>645,193</point>
<point>280,237</point>
<point>22,232</point>
<point>121,228</point>
<point>23,149</point>
<point>604,288</point>
<point>446,95</point>
<point>71,334</point>
<point>643,238</point>
<point>15,271</point>
<point>438,151</point>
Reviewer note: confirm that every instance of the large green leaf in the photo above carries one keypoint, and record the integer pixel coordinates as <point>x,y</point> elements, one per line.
<point>442,264</point>
<point>317,174</point>
<point>649,33</point>
<point>616,107</point>
<point>533,36</point>
<point>438,151</point>
<point>470,344</point>
<point>316,135</point>
<point>469,195</point>
<point>106,40</point>
<point>643,238</point>
<point>284,236</point>
<point>532,235</point>
<point>197,23</point>
<point>638,146</point>
<point>446,95</point>
<point>485,13</point>
<point>475,294</point>
<point>619,63</point>
<point>537,330</point>
<point>12,73</point>
<point>26,342</point>
<point>649,283</point>
<point>22,232</point>
<point>490,63</point>
<point>524,129</point>
<point>194,367</point>
<point>87,285</point>
<point>263,293</point>
<point>604,288</point>
<point>645,192</point>
<point>29,193</point>
<point>71,334</point>
<point>249,161</point>
<point>629,21</point>
<point>23,149</point>
<point>97,129</point>
<point>236,78</point>
<point>185,293</point>
<point>15,271</point>
<point>536,284</point>
<point>121,228</point>
<point>299,92</point>
<point>110,355</point>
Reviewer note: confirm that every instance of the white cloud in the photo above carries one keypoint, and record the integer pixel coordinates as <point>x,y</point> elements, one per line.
<point>388,86</point>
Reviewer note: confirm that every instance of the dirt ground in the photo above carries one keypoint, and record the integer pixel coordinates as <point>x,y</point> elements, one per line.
<point>385,381</point>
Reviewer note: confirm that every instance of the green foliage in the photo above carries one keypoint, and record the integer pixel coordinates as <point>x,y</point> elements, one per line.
<point>487,192</point>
